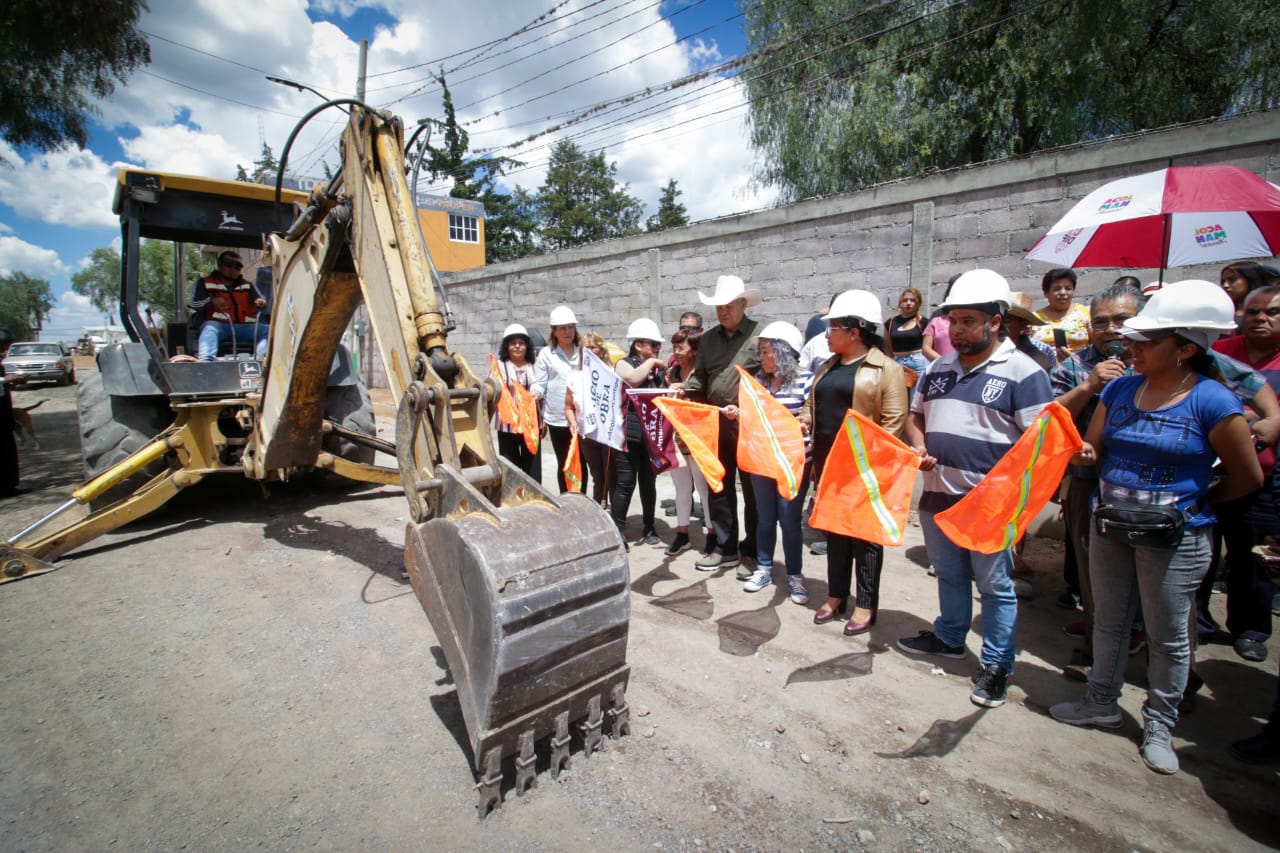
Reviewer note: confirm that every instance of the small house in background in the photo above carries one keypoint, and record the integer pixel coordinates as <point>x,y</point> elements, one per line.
<point>454,231</point>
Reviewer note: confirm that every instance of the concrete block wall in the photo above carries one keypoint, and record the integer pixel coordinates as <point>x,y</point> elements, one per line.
<point>912,232</point>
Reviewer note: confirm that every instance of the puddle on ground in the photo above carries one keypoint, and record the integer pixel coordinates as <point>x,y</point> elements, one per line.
<point>849,665</point>
<point>693,601</point>
<point>743,633</point>
<point>942,737</point>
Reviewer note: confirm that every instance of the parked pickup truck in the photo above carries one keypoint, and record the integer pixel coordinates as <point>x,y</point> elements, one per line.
<point>38,361</point>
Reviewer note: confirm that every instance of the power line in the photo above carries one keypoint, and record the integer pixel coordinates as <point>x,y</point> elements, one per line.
<point>224,59</point>
<point>216,95</point>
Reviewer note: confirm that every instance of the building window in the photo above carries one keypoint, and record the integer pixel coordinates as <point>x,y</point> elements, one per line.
<point>463,229</point>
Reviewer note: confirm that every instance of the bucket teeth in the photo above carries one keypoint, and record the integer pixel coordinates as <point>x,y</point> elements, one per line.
<point>619,714</point>
<point>490,785</point>
<point>591,729</point>
<point>526,773</point>
<point>560,745</point>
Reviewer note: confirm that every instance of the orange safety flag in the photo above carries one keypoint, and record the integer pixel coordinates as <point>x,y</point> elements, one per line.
<point>505,405</point>
<point>866,484</point>
<point>527,414</point>
<point>573,467</point>
<point>699,427</point>
<point>770,441</point>
<point>993,516</point>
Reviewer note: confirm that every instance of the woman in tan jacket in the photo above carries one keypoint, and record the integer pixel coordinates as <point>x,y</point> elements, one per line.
<point>859,376</point>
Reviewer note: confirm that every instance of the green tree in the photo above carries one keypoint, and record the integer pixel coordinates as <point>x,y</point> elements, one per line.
<point>55,56</point>
<point>582,202</point>
<point>671,213</point>
<point>265,168</point>
<point>25,302</point>
<point>844,97</point>
<point>508,218</point>
<point>100,280</point>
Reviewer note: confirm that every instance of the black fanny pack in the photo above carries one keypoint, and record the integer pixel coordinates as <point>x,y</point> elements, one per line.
<point>1146,525</point>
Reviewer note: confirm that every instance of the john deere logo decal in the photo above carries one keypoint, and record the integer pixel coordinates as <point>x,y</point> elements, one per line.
<point>1111,205</point>
<point>1211,235</point>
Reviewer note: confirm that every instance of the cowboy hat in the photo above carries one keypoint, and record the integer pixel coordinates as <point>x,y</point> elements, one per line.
<point>729,288</point>
<point>1021,308</point>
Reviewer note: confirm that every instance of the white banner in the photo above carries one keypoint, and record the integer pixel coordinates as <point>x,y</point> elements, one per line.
<point>602,418</point>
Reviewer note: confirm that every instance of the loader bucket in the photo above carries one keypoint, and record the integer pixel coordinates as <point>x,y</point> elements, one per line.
<point>530,603</point>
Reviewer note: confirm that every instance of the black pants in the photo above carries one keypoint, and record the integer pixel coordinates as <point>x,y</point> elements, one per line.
<point>844,553</point>
<point>632,468</point>
<point>722,508</point>
<point>1241,524</point>
<point>511,445</point>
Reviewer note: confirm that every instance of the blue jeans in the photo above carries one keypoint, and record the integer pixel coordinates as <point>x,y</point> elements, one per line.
<point>917,362</point>
<point>958,568</point>
<point>773,510</point>
<point>213,333</point>
<point>1165,582</point>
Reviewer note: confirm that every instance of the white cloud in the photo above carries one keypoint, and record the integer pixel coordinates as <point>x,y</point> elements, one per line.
<point>68,187</point>
<point>5,229</point>
<point>177,148</point>
<point>67,320</point>
<point>17,255</point>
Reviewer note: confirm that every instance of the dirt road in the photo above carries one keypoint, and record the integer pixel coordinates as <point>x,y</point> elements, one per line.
<point>249,669</point>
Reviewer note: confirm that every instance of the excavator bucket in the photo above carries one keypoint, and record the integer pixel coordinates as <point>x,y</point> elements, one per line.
<point>530,603</point>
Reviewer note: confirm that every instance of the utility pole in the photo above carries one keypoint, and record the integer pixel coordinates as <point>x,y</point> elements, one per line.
<point>364,57</point>
<point>363,365</point>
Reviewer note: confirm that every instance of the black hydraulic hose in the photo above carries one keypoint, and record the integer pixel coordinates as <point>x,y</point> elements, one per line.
<point>297,128</point>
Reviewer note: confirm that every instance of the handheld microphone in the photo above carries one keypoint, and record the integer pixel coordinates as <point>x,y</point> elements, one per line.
<point>1115,349</point>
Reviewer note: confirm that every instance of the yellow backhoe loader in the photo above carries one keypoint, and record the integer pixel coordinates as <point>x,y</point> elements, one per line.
<point>533,622</point>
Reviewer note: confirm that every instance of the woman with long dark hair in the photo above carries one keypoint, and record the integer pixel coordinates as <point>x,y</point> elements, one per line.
<point>1155,437</point>
<point>859,376</point>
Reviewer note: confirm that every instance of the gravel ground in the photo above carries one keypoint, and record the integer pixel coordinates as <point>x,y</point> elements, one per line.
<point>248,669</point>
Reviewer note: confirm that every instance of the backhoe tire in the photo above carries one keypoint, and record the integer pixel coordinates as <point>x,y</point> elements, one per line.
<point>112,428</point>
<point>351,407</point>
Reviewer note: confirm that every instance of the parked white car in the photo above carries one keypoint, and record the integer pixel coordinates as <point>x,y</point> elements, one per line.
<point>40,361</point>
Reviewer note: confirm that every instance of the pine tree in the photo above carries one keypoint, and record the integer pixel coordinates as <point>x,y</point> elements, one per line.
<point>671,213</point>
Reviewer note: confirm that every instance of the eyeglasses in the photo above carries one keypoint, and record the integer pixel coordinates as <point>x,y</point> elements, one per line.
<point>1104,322</point>
<point>1270,312</point>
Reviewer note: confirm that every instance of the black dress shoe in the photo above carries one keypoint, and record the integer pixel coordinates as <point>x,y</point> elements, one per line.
<point>1254,650</point>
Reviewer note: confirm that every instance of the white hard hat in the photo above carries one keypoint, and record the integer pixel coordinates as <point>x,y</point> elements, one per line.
<point>857,303</point>
<point>1198,310</point>
<point>562,315</point>
<point>514,329</point>
<point>979,287</point>
<point>644,329</point>
<point>780,330</point>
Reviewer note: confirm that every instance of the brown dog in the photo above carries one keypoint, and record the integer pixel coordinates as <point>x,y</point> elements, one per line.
<point>23,426</point>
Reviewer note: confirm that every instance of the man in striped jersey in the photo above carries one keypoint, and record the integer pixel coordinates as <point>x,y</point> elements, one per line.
<point>971,407</point>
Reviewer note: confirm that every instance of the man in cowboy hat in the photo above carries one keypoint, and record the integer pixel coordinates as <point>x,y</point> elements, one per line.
<point>715,381</point>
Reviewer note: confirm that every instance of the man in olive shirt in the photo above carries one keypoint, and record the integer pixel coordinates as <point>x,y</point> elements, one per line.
<point>714,381</point>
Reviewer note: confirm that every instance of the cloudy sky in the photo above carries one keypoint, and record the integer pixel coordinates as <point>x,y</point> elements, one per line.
<point>516,70</point>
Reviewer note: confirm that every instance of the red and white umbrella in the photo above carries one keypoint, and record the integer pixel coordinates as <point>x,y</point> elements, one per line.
<point>1179,216</point>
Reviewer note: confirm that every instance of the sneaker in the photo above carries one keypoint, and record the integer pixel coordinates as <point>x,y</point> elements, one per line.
<point>1086,712</point>
<point>1068,600</point>
<point>927,643</point>
<point>992,688</point>
<point>795,586</point>
<point>818,548</point>
<point>651,538</point>
<point>1074,630</point>
<point>1157,748</point>
<point>679,545</point>
<point>714,562</point>
<point>709,543</point>
<point>1137,640</point>
<point>759,579</point>
<point>931,571</point>
<point>745,572</point>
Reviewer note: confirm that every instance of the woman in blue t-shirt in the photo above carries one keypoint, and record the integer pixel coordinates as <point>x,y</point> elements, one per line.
<point>1155,437</point>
